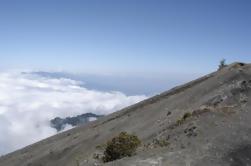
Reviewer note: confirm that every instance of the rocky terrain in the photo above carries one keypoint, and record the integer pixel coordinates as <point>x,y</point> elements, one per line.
<point>60,123</point>
<point>204,122</point>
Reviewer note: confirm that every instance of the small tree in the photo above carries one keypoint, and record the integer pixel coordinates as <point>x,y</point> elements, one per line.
<point>222,64</point>
<point>124,145</point>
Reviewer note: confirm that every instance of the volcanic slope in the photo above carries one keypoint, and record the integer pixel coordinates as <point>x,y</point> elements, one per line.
<point>204,122</point>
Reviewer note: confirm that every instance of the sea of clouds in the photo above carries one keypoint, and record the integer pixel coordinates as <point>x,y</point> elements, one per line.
<point>29,101</point>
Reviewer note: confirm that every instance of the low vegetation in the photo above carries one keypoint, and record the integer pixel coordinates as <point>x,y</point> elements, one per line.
<point>184,117</point>
<point>161,142</point>
<point>222,64</point>
<point>123,145</point>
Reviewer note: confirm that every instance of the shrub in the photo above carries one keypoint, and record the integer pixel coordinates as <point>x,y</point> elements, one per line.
<point>123,145</point>
<point>161,142</point>
<point>222,64</point>
<point>184,117</point>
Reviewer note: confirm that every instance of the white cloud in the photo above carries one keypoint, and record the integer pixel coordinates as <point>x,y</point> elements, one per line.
<point>28,102</point>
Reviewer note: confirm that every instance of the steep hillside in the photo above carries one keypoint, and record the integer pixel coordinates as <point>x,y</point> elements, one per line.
<point>205,122</point>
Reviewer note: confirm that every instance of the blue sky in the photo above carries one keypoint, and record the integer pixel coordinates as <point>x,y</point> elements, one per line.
<point>124,36</point>
<point>136,47</point>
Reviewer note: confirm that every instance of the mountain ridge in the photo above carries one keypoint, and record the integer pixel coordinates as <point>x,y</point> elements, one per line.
<point>60,123</point>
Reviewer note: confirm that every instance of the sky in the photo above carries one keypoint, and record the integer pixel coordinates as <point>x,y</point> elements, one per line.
<point>130,37</point>
<point>61,58</point>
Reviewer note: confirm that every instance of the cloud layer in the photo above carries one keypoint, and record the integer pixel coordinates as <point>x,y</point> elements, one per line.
<point>29,101</point>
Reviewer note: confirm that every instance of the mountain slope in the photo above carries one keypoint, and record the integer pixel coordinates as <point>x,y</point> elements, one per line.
<point>205,122</point>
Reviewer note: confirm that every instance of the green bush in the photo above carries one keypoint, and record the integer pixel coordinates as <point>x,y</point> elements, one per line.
<point>123,145</point>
